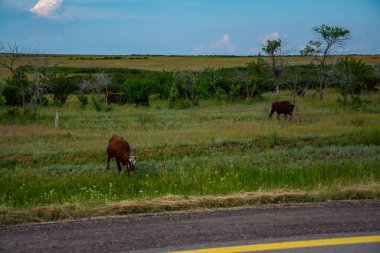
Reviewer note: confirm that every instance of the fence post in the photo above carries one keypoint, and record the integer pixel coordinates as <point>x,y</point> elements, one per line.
<point>56,119</point>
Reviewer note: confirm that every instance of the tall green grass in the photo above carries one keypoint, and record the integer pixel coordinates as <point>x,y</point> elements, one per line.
<point>216,149</point>
<point>30,187</point>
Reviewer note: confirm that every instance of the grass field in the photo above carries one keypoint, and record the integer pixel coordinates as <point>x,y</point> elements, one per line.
<point>220,154</point>
<point>167,63</point>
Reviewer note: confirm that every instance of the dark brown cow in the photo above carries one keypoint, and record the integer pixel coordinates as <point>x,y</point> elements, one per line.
<point>301,92</point>
<point>283,107</point>
<point>111,97</point>
<point>119,149</point>
<point>244,94</point>
<point>370,84</point>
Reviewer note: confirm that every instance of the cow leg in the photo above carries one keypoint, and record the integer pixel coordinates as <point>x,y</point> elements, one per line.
<point>118,165</point>
<point>270,114</point>
<point>108,163</point>
<point>129,166</point>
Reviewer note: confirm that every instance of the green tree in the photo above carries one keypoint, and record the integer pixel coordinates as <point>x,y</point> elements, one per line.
<point>185,90</point>
<point>276,64</point>
<point>137,89</point>
<point>59,83</point>
<point>11,91</point>
<point>16,61</point>
<point>350,73</point>
<point>209,80</point>
<point>259,75</point>
<point>328,38</point>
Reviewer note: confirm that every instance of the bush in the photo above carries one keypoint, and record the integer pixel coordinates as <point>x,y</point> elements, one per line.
<point>12,112</point>
<point>62,87</point>
<point>137,90</point>
<point>83,99</point>
<point>350,74</point>
<point>59,82</point>
<point>221,94</point>
<point>42,100</point>
<point>121,99</point>
<point>96,101</point>
<point>11,92</point>
<point>2,100</point>
<point>180,104</point>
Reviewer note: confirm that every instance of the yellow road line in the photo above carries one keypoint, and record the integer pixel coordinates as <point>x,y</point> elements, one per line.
<point>288,245</point>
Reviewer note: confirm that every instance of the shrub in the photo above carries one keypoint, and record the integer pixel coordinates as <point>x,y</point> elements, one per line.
<point>11,92</point>
<point>137,89</point>
<point>350,73</point>
<point>95,100</point>
<point>83,99</point>
<point>2,100</point>
<point>62,87</point>
<point>12,112</point>
<point>42,100</point>
<point>221,94</point>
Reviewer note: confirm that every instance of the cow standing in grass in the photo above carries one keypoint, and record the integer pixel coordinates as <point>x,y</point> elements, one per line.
<point>111,97</point>
<point>283,107</point>
<point>119,149</point>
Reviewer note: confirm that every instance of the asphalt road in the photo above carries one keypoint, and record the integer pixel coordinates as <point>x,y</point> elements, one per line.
<point>189,230</point>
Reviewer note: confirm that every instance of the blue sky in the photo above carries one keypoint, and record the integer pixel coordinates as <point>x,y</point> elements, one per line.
<point>183,27</point>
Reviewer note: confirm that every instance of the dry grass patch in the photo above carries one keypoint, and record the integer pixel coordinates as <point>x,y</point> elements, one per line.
<point>11,131</point>
<point>181,203</point>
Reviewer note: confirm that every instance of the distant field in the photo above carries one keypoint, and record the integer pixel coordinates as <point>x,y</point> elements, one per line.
<point>168,63</point>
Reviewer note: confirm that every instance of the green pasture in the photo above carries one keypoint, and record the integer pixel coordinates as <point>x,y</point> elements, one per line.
<point>217,149</point>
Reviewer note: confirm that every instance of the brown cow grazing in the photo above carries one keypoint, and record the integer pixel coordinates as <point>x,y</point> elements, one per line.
<point>284,107</point>
<point>111,97</point>
<point>119,149</point>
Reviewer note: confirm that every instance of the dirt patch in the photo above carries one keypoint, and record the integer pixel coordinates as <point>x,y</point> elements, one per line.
<point>20,158</point>
<point>19,130</point>
<point>23,158</point>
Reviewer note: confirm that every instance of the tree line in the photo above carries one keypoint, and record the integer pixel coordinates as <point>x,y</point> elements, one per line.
<point>32,78</point>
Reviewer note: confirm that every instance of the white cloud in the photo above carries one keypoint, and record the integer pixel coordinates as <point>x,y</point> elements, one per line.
<point>45,8</point>
<point>223,44</point>
<point>226,38</point>
<point>270,36</point>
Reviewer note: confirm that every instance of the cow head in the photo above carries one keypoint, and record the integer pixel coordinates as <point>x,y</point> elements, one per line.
<point>132,160</point>
<point>292,107</point>
<point>130,163</point>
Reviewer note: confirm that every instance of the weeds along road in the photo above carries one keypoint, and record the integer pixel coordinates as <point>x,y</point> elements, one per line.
<point>160,232</point>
